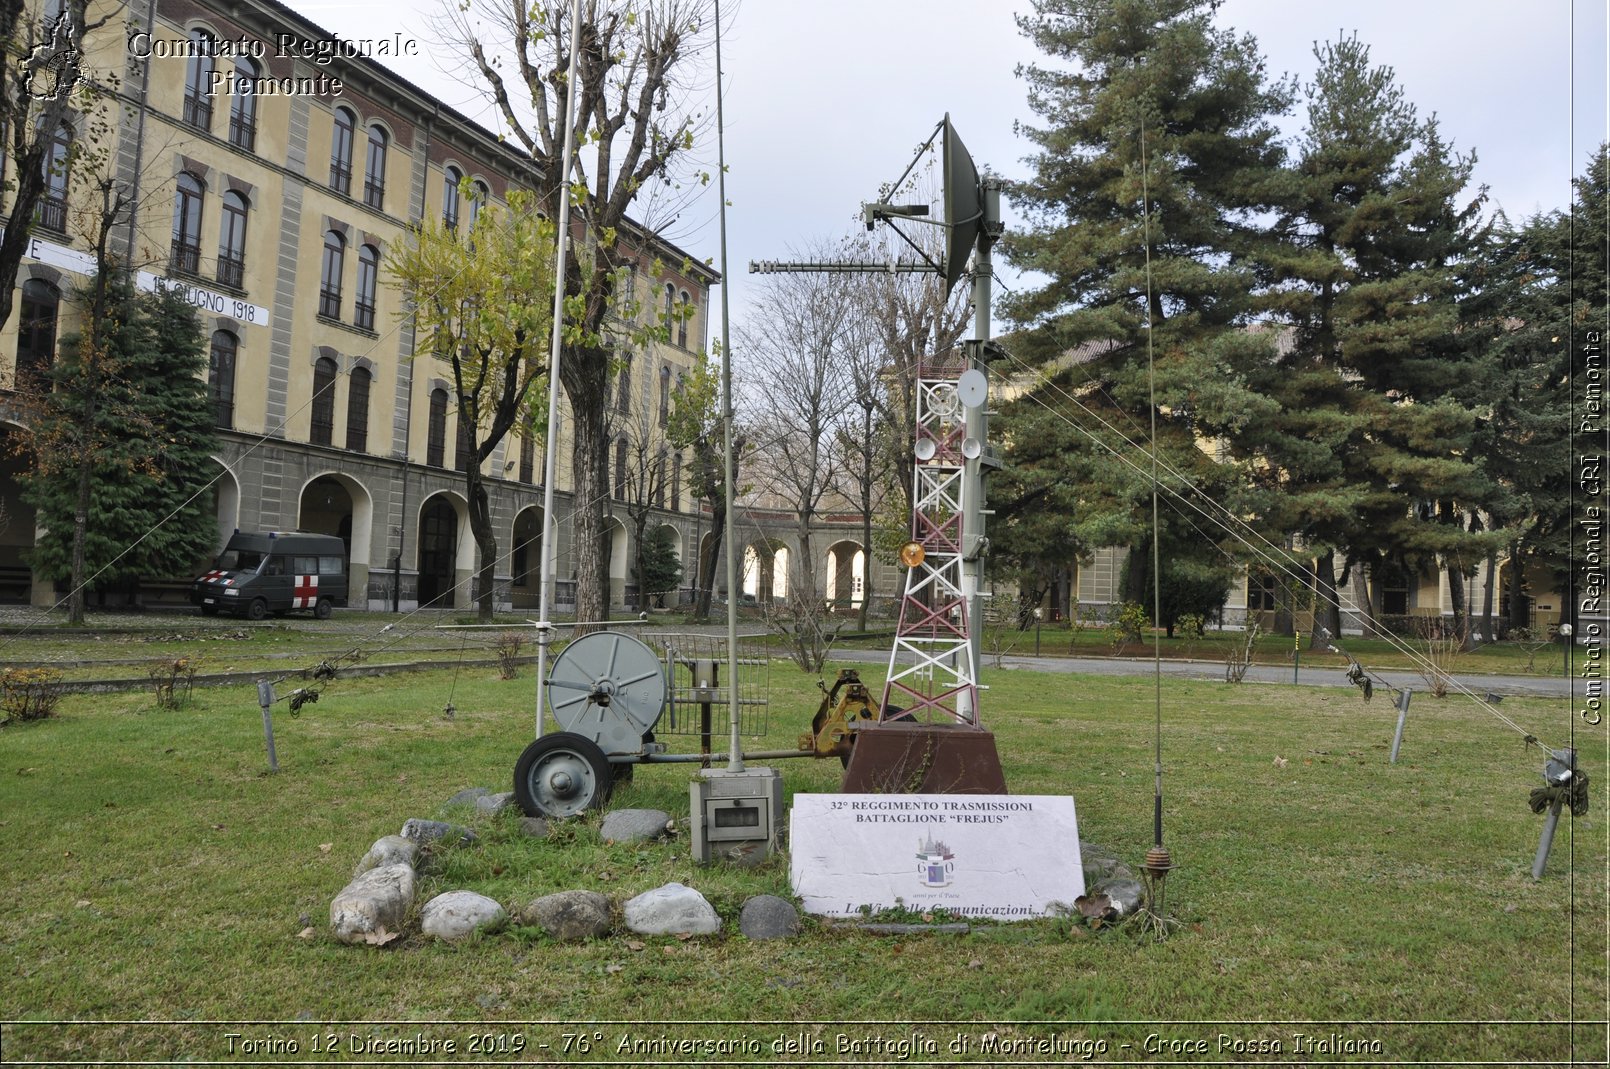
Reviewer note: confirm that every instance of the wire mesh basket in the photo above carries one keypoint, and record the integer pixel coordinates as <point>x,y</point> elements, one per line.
<point>698,693</point>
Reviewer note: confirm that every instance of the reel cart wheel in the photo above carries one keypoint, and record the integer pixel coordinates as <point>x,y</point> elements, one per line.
<point>561,775</point>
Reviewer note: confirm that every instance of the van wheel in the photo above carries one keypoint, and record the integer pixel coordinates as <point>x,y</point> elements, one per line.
<point>322,610</point>
<point>257,610</point>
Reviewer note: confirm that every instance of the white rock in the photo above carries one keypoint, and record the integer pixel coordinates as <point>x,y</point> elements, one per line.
<point>458,915</point>
<point>388,850</point>
<point>371,908</point>
<point>671,910</point>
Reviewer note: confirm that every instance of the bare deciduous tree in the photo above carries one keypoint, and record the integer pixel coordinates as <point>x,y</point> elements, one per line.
<point>637,125</point>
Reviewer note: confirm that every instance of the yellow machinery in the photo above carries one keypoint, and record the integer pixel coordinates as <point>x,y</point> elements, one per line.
<point>845,702</point>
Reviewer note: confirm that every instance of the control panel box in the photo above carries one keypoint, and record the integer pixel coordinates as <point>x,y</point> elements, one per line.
<point>735,815</point>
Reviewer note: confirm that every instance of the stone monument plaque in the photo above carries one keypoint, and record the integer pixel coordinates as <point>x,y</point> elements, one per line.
<point>1006,857</point>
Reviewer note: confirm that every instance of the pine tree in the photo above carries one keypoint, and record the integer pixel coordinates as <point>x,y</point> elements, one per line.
<point>1365,449</point>
<point>127,406</point>
<point>1155,159</point>
<point>1517,318</point>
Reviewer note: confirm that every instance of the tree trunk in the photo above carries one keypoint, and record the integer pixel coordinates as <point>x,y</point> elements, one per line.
<point>1488,628</point>
<point>589,468</point>
<point>75,600</point>
<point>1517,589</point>
<point>1461,607</point>
<point>708,560</point>
<point>1327,608</point>
<point>486,542</point>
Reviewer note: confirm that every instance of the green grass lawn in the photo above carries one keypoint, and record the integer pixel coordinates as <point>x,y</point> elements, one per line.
<point>155,871</point>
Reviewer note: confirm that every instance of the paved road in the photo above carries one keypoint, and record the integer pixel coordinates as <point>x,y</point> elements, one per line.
<point>1317,676</point>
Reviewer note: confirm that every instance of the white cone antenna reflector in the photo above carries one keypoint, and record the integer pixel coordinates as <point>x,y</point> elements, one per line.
<point>972,448</point>
<point>973,387</point>
<point>925,449</point>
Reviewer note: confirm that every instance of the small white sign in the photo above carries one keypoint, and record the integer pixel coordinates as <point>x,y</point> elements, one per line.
<point>1005,857</point>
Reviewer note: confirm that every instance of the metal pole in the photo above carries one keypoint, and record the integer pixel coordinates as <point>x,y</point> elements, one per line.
<point>550,554</point>
<point>1550,822</point>
<point>736,764</point>
<point>977,427</point>
<point>1403,713</point>
<point>265,698</point>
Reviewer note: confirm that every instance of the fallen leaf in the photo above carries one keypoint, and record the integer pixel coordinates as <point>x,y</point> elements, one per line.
<point>613,968</point>
<point>1280,762</point>
<point>324,848</point>
<point>976,963</point>
<point>82,903</point>
<point>684,936</point>
<point>307,933</point>
<point>217,827</point>
<point>635,944</point>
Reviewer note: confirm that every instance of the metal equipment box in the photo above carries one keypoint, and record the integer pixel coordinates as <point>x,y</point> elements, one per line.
<point>735,815</point>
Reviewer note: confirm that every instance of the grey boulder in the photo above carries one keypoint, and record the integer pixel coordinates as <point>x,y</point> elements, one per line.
<point>768,917</point>
<point>457,915</point>
<point>569,916</point>
<point>388,850</point>
<point>634,825</point>
<point>371,909</point>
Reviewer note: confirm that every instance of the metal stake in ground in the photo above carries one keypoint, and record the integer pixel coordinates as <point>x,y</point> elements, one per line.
<point>265,698</point>
<point>1403,713</point>
<point>1564,782</point>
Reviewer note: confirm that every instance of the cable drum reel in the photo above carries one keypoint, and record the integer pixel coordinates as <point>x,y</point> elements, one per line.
<point>607,690</point>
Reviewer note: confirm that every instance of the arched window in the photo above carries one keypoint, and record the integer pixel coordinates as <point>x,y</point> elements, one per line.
<point>682,323</point>
<point>363,307</point>
<point>670,304</point>
<point>450,180</point>
<point>479,195</point>
<point>620,469</point>
<point>676,483</point>
<point>198,81</point>
<point>221,377</point>
<point>323,401</point>
<point>243,109</point>
<point>665,394</point>
<point>623,386</point>
<point>436,440</point>
<point>187,224</point>
<point>335,253</point>
<point>341,152</point>
<point>232,241</point>
<point>374,172</point>
<point>659,479</point>
<point>36,327</point>
<point>52,211</point>
<point>358,410</point>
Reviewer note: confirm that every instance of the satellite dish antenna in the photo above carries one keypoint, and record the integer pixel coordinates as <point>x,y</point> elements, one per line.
<point>972,448</point>
<point>964,206</point>
<point>943,401</point>
<point>925,449</point>
<point>973,388</point>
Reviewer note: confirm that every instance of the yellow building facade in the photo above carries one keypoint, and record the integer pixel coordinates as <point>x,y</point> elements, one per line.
<point>277,212</point>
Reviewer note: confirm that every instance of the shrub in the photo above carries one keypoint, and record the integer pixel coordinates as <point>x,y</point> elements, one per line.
<point>1127,623</point>
<point>173,679</point>
<point>29,693</point>
<point>507,647</point>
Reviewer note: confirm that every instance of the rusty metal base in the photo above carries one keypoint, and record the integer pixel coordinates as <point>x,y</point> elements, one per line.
<point>895,757</point>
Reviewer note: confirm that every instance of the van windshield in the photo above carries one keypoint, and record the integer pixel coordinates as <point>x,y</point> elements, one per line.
<point>240,560</point>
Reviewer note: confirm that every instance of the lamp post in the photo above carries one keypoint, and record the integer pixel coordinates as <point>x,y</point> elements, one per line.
<point>1039,614</point>
<point>1565,638</point>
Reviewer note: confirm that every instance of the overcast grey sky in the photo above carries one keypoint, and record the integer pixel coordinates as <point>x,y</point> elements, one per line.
<point>828,98</point>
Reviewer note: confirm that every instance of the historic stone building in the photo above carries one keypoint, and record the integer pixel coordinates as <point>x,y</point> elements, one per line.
<point>277,212</point>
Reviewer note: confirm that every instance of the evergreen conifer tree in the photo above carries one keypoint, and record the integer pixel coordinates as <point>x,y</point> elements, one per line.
<point>1156,153</point>
<point>128,402</point>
